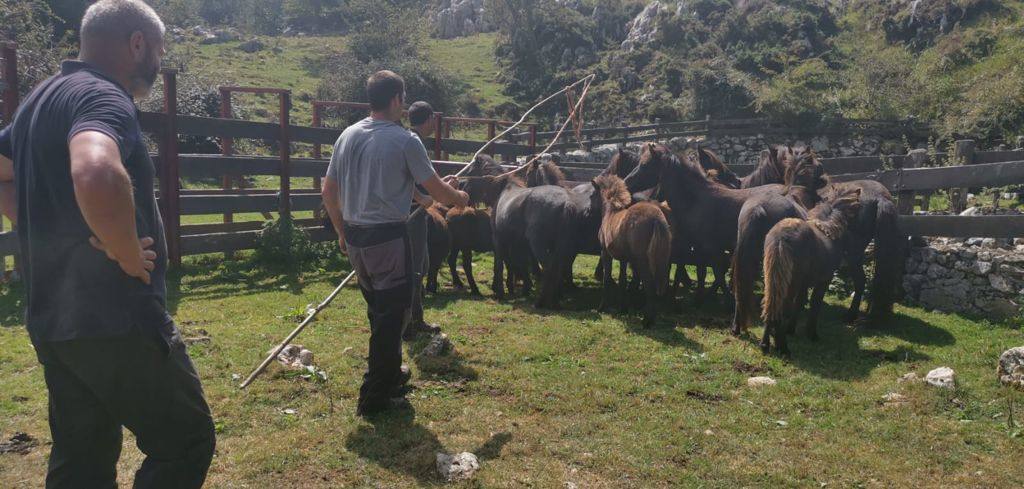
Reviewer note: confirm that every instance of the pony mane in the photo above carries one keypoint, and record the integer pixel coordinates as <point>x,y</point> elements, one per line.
<point>614,191</point>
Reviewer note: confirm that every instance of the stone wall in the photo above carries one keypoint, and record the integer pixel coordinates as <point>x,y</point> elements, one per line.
<point>741,150</point>
<point>982,277</point>
<point>747,149</point>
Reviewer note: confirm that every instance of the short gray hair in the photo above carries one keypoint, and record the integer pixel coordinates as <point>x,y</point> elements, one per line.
<point>117,20</point>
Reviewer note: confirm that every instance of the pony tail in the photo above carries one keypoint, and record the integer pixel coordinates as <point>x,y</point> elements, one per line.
<point>659,256</point>
<point>889,261</point>
<point>778,273</point>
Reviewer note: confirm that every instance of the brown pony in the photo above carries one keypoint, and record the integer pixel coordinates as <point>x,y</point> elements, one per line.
<point>800,255</point>
<point>638,234</point>
<point>470,230</point>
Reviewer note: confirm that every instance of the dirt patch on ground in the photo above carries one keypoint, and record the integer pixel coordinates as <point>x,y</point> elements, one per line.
<point>20,443</point>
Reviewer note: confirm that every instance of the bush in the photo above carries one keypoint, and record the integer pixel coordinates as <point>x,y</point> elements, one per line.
<point>284,246</point>
<point>41,45</point>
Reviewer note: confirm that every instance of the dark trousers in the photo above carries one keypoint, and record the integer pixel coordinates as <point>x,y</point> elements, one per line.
<point>418,244</point>
<point>382,261</point>
<point>143,381</point>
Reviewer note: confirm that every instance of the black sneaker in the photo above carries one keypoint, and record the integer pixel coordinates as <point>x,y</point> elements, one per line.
<point>415,329</point>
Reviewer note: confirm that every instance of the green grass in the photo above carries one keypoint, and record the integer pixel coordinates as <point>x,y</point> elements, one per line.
<point>546,398</point>
<point>471,60</point>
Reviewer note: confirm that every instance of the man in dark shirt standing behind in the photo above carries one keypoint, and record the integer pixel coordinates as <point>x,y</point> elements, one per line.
<point>94,259</point>
<point>367,192</point>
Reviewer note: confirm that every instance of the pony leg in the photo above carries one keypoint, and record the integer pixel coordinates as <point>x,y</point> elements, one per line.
<point>646,273</point>
<point>702,276</point>
<point>623,286</point>
<point>817,297</point>
<point>856,265</point>
<point>467,266</point>
<point>452,259</point>
<point>567,274</point>
<point>721,270</point>
<point>606,281</point>
<point>499,266</point>
<point>766,342</point>
<point>599,269</point>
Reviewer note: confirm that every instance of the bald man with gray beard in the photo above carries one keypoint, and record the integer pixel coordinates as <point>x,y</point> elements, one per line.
<point>76,177</point>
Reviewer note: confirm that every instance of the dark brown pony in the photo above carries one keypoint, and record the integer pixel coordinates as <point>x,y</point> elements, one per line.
<point>876,221</point>
<point>483,165</point>
<point>541,220</point>
<point>800,255</point>
<point>544,173</point>
<point>470,230</point>
<point>439,243</point>
<point>756,218</point>
<point>638,234</point>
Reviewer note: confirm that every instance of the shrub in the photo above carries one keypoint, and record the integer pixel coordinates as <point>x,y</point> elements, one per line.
<point>283,245</point>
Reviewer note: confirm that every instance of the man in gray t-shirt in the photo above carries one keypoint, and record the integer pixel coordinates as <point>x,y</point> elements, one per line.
<point>368,191</point>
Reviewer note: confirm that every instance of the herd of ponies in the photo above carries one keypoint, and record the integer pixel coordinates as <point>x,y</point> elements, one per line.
<point>785,223</point>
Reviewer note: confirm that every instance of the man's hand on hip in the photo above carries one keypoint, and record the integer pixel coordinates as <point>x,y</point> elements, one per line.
<point>137,266</point>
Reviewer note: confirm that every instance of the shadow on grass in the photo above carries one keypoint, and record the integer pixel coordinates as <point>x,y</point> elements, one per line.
<point>397,443</point>
<point>838,355</point>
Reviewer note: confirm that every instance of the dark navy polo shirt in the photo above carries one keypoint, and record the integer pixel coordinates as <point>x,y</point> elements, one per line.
<point>74,291</point>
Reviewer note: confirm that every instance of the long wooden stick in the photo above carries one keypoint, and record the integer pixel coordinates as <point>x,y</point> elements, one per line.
<point>323,305</point>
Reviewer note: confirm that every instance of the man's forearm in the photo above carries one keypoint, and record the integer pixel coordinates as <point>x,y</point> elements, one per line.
<point>104,196</point>
<point>332,202</point>
<point>444,193</point>
<point>9,201</point>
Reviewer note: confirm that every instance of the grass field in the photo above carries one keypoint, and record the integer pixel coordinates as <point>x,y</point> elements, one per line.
<point>545,399</point>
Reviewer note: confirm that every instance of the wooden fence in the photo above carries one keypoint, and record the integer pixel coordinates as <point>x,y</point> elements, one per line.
<point>907,177</point>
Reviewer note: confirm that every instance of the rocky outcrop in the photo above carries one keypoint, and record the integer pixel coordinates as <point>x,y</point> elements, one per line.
<point>459,18</point>
<point>644,27</point>
<point>983,277</point>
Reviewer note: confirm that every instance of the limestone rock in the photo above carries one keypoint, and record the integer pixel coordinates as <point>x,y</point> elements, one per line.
<point>643,28</point>
<point>761,382</point>
<point>943,377</point>
<point>458,467</point>
<point>439,345</point>
<point>1011,367</point>
<point>252,45</point>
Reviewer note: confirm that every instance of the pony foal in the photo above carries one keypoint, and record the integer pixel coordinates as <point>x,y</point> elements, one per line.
<point>638,234</point>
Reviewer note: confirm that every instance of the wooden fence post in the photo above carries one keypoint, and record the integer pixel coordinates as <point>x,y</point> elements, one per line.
<point>169,181</point>
<point>915,159</point>
<point>226,144</point>
<point>963,155</point>
<point>533,139</point>
<point>285,143</point>
<point>438,123</point>
<point>491,131</point>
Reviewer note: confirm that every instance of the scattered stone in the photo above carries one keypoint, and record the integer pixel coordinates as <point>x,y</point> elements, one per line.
<point>236,377</point>
<point>252,45</point>
<point>458,467</point>
<point>894,399</point>
<point>989,243</point>
<point>971,211</point>
<point>782,423</point>
<point>760,382</point>
<point>289,412</point>
<point>20,443</point>
<point>570,485</point>
<point>295,356</point>
<point>1011,367</point>
<point>909,377</point>
<point>943,377</point>
<point>709,433</point>
<point>439,345</point>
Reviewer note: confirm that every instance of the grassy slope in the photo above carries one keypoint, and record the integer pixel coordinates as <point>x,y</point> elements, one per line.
<point>545,398</point>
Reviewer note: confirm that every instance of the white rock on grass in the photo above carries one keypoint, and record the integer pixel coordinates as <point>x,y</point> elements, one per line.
<point>760,382</point>
<point>943,377</point>
<point>1011,367</point>
<point>439,345</point>
<point>458,467</point>
<point>909,377</point>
